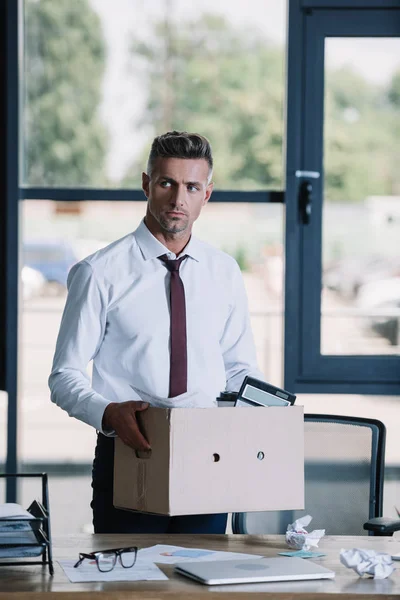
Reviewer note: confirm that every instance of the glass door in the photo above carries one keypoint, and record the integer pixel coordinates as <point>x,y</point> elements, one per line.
<point>360,304</point>
<point>343,285</point>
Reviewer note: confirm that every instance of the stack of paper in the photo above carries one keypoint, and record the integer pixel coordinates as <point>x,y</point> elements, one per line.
<point>169,555</point>
<point>143,570</point>
<point>16,536</point>
<point>14,518</point>
<point>13,545</point>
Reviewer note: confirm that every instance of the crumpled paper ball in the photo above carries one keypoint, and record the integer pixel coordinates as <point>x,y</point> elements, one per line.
<point>367,562</point>
<point>298,537</point>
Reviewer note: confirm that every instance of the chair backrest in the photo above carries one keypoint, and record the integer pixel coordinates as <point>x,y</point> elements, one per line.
<point>344,461</point>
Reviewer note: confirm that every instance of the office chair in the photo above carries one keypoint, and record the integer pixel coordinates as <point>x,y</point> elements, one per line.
<point>344,472</point>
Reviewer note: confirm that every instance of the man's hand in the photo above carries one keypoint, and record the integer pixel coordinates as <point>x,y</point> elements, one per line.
<point>121,417</point>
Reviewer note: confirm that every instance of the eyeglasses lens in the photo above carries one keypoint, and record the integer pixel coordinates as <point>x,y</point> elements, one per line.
<point>106,561</point>
<point>128,559</point>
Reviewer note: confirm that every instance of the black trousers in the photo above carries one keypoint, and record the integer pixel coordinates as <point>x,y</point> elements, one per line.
<point>107,519</point>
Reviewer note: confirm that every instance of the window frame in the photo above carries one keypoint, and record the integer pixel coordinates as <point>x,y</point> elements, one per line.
<point>306,369</point>
<point>14,193</point>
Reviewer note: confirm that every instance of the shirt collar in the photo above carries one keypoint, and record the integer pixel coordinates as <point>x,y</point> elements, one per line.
<point>152,248</point>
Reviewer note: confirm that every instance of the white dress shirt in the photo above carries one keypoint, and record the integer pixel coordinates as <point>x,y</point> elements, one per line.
<point>117,314</point>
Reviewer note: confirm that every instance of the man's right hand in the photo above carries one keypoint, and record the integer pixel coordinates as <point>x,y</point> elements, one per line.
<point>121,418</point>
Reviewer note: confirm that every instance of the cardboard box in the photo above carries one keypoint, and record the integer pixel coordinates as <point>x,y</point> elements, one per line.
<point>207,460</point>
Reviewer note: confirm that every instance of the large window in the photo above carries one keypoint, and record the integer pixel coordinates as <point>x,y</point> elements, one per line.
<point>100,80</point>
<point>52,239</point>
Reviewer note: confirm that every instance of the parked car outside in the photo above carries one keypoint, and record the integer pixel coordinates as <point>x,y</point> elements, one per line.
<point>52,258</point>
<point>383,296</point>
<point>347,276</point>
<point>33,283</point>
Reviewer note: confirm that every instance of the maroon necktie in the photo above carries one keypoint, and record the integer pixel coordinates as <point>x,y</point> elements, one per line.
<point>178,355</point>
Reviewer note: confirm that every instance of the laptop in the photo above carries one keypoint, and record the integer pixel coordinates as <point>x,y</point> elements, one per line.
<point>280,568</point>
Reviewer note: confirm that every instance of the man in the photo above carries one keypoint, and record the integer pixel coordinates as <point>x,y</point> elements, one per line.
<point>164,318</point>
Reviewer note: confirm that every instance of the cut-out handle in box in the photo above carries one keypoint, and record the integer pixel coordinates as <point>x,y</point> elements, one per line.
<point>143,453</point>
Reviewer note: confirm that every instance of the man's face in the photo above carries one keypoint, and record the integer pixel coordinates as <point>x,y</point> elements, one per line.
<point>176,192</point>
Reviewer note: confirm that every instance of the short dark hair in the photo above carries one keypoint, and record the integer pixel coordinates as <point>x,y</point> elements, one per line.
<point>180,144</point>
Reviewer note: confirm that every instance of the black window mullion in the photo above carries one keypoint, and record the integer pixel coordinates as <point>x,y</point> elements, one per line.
<point>9,228</point>
<point>137,195</point>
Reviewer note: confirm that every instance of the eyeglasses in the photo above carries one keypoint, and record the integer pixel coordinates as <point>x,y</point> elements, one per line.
<point>107,559</point>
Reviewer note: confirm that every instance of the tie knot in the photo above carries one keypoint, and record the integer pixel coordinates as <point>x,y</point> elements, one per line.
<point>172,265</point>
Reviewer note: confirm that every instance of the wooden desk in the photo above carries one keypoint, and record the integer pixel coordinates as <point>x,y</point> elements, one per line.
<point>35,583</point>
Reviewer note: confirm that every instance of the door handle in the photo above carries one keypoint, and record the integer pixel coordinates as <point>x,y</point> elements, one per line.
<point>305,201</point>
<point>309,174</point>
